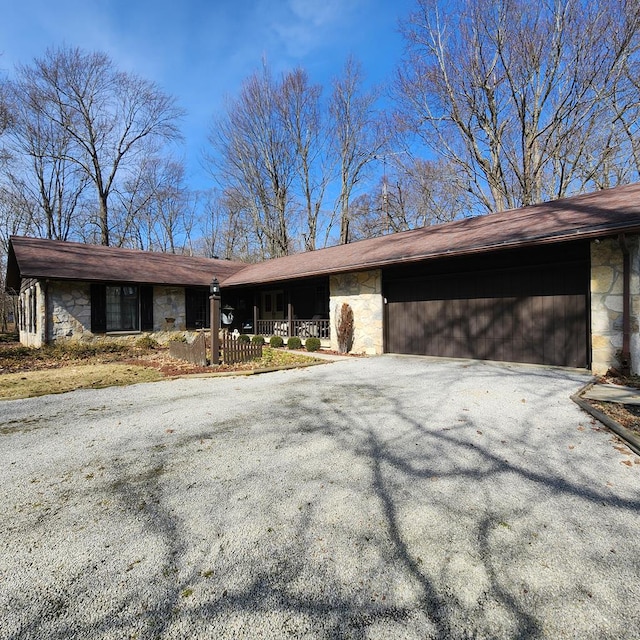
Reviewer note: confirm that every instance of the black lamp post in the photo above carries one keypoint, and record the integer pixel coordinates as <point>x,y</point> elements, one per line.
<point>214,300</point>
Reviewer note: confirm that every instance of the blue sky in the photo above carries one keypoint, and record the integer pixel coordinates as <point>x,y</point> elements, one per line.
<point>200,51</point>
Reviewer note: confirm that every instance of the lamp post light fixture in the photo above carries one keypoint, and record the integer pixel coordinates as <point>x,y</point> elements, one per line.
<point>214,301</point>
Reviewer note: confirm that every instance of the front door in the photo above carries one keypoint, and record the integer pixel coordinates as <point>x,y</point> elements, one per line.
<point>272,305</point>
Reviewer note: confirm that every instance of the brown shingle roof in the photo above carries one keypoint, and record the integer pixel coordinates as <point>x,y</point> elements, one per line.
<point>57,260</point>
<point>591,215</point>
<point>598,214</point>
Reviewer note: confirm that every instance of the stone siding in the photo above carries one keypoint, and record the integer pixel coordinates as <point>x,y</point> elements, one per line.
<point>607,304</point>
<point>31,313</point>
<point>362,291</point>
<point>68,315</point>
<point>169,303</point>
<point>69,310</point>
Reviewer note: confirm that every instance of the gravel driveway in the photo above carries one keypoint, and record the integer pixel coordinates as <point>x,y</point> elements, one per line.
<point>391,497</point>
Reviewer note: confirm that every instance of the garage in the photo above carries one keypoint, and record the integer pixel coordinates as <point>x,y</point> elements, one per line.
<point>528,305</point>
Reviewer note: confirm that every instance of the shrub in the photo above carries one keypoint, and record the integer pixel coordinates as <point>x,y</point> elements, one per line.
<point>78,350</point>
<point>258,340</point>
<point>243,337</point>
<point>276,341</point>
<point>147,342</point>
<point>312,344</point>
<point>178,337</point>
<point>16,353</point>
<point>294,342</point>
<point>345,328</point>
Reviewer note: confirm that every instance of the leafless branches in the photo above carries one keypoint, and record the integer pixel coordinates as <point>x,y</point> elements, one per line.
<point>82,122</point>
<point>528,101</point>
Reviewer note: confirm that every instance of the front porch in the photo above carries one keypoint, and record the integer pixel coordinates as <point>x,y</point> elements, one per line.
<point>287,310</point>
<point>316,327</point>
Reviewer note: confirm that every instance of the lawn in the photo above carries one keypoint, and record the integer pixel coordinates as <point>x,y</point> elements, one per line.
<point>27,372</point>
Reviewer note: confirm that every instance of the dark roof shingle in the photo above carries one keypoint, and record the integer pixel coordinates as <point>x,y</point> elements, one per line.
<point>57,260</point>
<point>598,214</point>
<point>601,213</point>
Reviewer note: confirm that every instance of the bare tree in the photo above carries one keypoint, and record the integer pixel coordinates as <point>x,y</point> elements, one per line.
<point>229,229</point>
<point>156,208</point>
<point>528,101</point>
<point>105,120</point>
<point>15,219</point>
<point>40,174</point>
<point>4,106</point>
<point>301,117</point>
<point>254,157</point>
<point>410,194</point>
<point>358,136</point>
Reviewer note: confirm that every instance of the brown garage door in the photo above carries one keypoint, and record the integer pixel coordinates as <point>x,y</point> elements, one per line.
<point>495,309</point>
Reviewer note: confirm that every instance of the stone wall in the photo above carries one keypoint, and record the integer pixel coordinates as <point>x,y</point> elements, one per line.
<point>363,292</point>
<point>31,314</point>
<point>169,311</point>
<point>69,310</point>
<point>607,303</point>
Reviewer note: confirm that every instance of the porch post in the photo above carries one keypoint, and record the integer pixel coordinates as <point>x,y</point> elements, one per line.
<point>215,322</point>
<point>290,318</point>
<point>255,318</point>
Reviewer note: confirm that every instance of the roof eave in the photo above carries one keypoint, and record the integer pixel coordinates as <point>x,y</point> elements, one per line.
<point>598,232</point>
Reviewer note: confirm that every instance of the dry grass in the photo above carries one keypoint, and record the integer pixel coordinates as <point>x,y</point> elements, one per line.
<point>27,372</point>
<point>28,384</point>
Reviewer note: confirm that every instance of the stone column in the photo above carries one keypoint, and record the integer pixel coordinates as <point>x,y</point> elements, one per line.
<point>362,291</point>
<point>607,304</point>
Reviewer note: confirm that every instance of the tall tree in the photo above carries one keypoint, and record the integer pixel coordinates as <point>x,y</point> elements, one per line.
<point>358,135</point>
<point>527,101</point>
<point>41,175</point>
<point>301,116</point>
<point>230,231</point>
<point>255,157</point>
<point>156,208</point>
<point>105,120</point>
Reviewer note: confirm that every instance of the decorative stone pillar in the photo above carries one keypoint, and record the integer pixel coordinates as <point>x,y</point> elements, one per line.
<point>607,304</point>
<point>362,291</point>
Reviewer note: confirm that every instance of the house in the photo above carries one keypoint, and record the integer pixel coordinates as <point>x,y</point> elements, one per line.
<point>73,290</point>
<point>555,283</point>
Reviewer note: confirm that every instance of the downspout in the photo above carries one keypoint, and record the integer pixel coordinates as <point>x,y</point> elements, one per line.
<point>625,358</point>
<point>45,322</point>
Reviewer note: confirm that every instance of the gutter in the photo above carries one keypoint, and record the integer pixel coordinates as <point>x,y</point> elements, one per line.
<point>625,357</point>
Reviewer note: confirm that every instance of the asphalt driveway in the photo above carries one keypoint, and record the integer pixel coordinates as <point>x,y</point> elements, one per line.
<point>390,497</point>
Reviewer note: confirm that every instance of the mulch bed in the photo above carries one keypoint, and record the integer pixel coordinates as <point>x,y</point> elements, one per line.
<point>17,359</point>
<point>170,367</point>
<point>627,415</point>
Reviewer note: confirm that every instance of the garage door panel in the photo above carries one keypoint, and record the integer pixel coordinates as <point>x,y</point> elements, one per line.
<point>536,314</point>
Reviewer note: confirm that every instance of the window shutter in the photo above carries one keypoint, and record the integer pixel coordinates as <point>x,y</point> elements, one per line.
<point>98,308</point>
<point>146,308</point>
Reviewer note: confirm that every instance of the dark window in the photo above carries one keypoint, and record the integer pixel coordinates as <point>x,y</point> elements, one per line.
<point>196,308</point>
<point>98,308</point>
<point>146,308</point>
<point>122,308</point>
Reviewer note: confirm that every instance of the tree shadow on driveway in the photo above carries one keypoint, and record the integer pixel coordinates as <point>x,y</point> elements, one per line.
<point>458,501</point>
